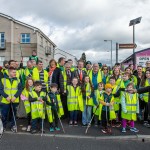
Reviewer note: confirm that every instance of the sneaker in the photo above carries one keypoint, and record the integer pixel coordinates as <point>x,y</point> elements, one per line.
<point>84,125</point>
<point>75,123</point>
<point>33,131</point>
<point>57,128</point>
<point>51,129</point>
<point>104,131</point>
<point>118,125</point>
<point>145,123</point>
<point>109,130</point>
<point>134,130</point>
<point>113,125</point>
<point>148,125</point>
<point>123,130</point>
<point>14,129</point>
<point>28,128</point>
<point>70,123</point>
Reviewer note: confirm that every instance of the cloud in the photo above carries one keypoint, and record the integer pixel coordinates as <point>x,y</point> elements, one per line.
<point>83,25</point>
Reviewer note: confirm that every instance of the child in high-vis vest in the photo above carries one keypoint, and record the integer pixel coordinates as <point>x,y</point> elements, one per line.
<point>98,94</point>
<point>130,107</point>
<point>74,101</point>
<point>25,97</point>
<point>54,107</point>
<point>107,112</point>
<point>37,98</point>
<point>117,103</point>
<point>88,100</point>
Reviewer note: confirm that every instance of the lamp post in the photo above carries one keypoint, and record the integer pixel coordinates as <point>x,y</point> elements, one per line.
<point>133,23</point>
<point>111,49</point>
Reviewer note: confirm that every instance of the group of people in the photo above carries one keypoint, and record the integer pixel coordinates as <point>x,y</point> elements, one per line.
<point>76,93</point>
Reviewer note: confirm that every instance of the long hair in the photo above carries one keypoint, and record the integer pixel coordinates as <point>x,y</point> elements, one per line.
<point>27,85</point>
<point>142,84</point>
<point>83,87</point>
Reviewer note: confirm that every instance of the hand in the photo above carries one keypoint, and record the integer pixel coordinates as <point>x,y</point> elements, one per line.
<point>41,101</point>
<point>88,97</point>
<point>39,98</point>
<point>13,99</point>
<point>65,91</point>
<point>8,99</point>
<point>107,104</point>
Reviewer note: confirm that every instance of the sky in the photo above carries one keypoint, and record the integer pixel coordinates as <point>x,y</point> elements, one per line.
<point>78,26</point>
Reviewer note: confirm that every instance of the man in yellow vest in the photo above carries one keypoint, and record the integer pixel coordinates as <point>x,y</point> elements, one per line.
<point>67,80</point>
<point>10,89</point>
<point>29,69</point>
<point>39,74</point>
<point>95,76</point>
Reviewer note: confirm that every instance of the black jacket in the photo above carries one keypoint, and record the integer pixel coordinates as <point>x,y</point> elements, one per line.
<point>57,78</point>
<point>144,90</point>
<point>76,74</point>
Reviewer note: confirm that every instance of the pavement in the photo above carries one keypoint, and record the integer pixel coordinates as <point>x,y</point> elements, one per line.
<point>36,142</point>
<point>79,131</point>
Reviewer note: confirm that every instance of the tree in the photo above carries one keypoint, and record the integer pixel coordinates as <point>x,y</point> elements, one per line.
<point>83,58</point>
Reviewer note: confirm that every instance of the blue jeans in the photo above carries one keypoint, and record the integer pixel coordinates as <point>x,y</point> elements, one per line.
<point>5,111</point>
<point>34,123</point>
<point>73,115</point>
<point>86,114</point>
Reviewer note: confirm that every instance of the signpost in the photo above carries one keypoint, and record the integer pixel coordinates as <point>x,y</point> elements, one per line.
<point>127,46</point>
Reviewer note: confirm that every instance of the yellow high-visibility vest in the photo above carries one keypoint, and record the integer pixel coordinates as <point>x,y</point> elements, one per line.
<point>37,107</point>
<point>145,95</point>
<point>111,109</point>
<point>10,89</point>
<point>74,98</point>
<point>131,107</point>
<point>49,109</point>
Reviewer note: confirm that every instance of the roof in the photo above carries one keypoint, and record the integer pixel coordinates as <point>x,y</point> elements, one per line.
<point>26,25</point>
<point>131,56</point>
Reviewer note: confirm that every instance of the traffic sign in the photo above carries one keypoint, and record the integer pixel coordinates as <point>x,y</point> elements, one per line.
<point>127,46</point>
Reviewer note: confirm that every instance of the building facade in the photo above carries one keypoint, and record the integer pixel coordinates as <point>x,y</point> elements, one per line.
<point>141,57</point>
<point>18,40</point>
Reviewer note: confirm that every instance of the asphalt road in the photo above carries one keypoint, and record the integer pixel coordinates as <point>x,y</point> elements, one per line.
<point>36,142</point>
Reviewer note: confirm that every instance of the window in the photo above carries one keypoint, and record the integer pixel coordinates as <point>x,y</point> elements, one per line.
<point>41,41</point>
<point>25,59</point>
<point>2,40</point>
<point>2,58</point>
<point>25,38</point>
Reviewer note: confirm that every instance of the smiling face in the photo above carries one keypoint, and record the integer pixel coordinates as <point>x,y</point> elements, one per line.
<point>148,74</point>
<point>75,81</point>
<point>100,87</point>
<point>87,79</point>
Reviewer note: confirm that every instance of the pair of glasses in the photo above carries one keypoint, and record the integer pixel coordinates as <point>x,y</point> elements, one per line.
<point>105,69</point>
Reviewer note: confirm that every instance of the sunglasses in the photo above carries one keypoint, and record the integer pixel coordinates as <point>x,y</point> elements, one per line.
<point>105,69</point>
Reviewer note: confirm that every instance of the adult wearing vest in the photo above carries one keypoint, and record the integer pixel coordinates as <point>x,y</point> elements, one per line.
<point>95,76</point>
<point>10,90</point>
<point>73,68</point>
<point>39,74</point>
<point>145,96</point>
<point>54,75</point>
<point>28,71</point>
<point>67,80</point>
<point>34,56</point>
<point>105,73</point>
<point>80,73</point>
<point>88,67</point>
<point>61,63</point>
<point>116,74</point>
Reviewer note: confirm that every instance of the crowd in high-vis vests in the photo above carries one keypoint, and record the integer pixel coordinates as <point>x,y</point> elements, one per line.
<point>91,94</point>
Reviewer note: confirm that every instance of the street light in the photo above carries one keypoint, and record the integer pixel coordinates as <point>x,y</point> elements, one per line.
<point>133,23</point>
<point>111,49</point>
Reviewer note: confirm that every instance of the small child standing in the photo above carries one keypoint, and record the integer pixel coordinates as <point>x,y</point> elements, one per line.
<point>88,95</point>
<point>25,97</point>
<point>107,112</point>
<point>130,107</point>
<point>54,107</point>
<point>37,98</point>
<point>74,101</point>
<point>98,94</point>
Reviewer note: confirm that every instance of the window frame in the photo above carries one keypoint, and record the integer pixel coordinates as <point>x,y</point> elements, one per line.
<point>25,38</point>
